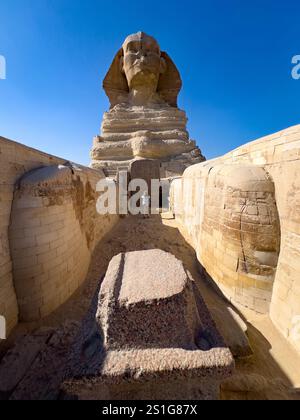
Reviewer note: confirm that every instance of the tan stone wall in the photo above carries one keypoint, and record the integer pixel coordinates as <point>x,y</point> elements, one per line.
<point>279,156</point>
<point>50,240</point>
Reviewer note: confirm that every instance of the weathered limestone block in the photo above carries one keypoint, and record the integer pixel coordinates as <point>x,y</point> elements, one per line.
<point>276,210</point>
<point>158,338</point>
<point>52,234</point>
<point>234,331</point>
<point>15,160</point>
<point>2,328</point>
<point>144,121</point>
<point>245,225</point>
<point>146,169</point>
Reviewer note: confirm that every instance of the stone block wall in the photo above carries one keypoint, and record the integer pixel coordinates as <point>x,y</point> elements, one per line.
<point>49,227</point>
<point>234,225</point>
<point>272,213</point>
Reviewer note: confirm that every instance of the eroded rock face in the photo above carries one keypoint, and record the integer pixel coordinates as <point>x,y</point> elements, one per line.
<point>53,231</point>
<point>231,214</point>
<point>144,121</point>
<point>157,337</point>
<point>139,302</point>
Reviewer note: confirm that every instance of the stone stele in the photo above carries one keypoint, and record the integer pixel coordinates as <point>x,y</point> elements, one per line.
<point>144,121</point>
<point>157,338</point>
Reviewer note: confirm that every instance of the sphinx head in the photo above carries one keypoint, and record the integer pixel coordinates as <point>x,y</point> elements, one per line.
<point>142,62</point>
<point>141,65</point>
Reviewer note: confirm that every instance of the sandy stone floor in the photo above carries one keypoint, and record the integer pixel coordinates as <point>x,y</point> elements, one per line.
<point>273,372</point>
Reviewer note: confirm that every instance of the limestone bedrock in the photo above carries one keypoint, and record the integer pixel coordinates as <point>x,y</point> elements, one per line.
<point>144,121</point>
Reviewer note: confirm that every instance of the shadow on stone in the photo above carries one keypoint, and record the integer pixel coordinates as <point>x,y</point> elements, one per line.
<point>156,330</point>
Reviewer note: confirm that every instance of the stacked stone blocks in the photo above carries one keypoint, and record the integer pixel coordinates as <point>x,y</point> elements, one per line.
<point>49,227</point>
<point>266,217</point>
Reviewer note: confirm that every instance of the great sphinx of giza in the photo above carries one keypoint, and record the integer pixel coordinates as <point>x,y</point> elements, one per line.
<point>144,121</point>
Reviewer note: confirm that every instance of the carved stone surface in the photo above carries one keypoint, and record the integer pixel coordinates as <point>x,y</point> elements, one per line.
<point>234,223</point>
<point>144,121</point>
<point>157,335</point>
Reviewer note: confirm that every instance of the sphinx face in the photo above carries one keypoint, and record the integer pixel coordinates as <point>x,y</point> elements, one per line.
<point>142,62</point>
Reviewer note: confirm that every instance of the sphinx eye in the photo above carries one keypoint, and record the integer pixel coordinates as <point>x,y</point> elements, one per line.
<point>132,49</point>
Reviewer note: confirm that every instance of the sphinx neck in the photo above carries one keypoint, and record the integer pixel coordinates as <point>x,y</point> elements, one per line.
<point>141,95</point>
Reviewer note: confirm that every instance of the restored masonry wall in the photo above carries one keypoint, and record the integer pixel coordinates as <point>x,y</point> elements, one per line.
<point>48,226</point>
<point>241,213</point>
<point>236,232</point>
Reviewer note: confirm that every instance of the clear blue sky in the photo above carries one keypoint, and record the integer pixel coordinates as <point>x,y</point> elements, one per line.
<point>234,57</point>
